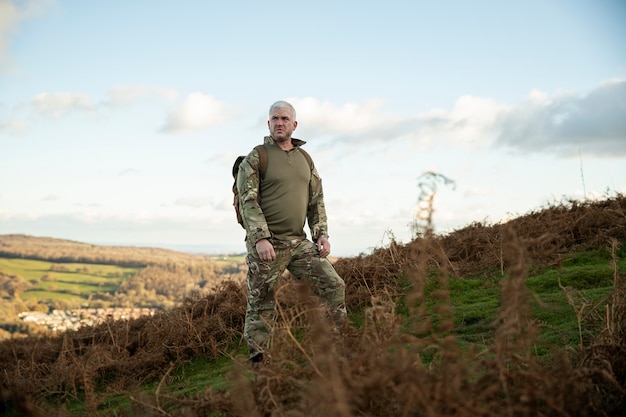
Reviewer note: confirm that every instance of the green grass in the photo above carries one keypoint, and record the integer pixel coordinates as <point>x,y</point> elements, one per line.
<point>78,288</point>
<point>51,296</point>
<point>28,269</point>
<point>195,377</point>
<point>476,301</point>
<point>70,284</point>
<point>85,279</point>
<point>53,281</point>
<point>191,379</point>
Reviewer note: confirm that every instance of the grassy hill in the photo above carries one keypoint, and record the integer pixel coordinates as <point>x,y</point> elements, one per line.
<point>77,281</point>
<point>68,251</point>
<point>522,318</point>
<point>39,274</point>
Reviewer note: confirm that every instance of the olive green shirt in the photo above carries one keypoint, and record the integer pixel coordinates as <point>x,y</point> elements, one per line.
<point>290,194</point>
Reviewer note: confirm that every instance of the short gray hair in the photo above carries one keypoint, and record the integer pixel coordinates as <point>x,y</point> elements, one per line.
<point>283,105</point>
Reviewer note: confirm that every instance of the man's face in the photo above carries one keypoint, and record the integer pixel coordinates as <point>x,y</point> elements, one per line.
<point>281,124</point>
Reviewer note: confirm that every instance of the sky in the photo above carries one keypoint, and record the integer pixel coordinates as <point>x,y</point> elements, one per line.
<point>120,120</point>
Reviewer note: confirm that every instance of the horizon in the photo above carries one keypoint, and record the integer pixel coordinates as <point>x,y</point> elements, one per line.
<point>213,250</point>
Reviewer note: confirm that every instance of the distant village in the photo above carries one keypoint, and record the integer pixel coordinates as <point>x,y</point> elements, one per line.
<point>61,320</point>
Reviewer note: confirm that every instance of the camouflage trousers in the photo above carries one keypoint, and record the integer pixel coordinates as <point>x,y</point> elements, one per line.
<point>302,259</point>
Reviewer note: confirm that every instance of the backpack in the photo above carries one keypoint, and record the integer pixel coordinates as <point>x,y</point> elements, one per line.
<point>262,169</point>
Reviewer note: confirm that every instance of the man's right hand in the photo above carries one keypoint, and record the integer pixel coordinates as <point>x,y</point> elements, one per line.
<point>265,249</point>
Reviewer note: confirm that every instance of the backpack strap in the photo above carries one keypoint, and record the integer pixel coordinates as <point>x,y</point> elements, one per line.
<point>262,160</point>
<point>307,157</point>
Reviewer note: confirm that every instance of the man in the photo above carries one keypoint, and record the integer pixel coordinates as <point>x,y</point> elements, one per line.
<point>290,193</point>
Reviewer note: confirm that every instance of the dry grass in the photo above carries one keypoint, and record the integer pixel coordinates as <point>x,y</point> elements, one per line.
<point>387,366</point>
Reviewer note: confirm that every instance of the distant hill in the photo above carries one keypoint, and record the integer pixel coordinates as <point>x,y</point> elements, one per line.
<point>43,274</point>
<point>60,250</point>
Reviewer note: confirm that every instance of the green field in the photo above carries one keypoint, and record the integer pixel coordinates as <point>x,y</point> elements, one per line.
<point>65,281</point>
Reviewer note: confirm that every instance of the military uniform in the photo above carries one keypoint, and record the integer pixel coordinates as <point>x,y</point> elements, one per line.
<point>290,194</point>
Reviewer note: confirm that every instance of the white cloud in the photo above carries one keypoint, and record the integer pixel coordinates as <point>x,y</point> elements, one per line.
<point>470,122</point>
<point>564,123</point>
<point>13,126</point>
<point>61,104</point>
<point>11,14</point>
<point>348,119</point>
<point>351,122</point>
<point>9,17</point>
<point>128,94</point>
<point>560,123</point>
<point>58,104</point>
<point>122,95</point>
<point>197,111</point>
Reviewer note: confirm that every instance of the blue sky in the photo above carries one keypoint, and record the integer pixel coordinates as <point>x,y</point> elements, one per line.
<point>120,120</point>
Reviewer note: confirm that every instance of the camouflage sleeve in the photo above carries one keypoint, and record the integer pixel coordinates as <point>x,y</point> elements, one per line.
<point>316,212</point>
<point>248,187</point>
